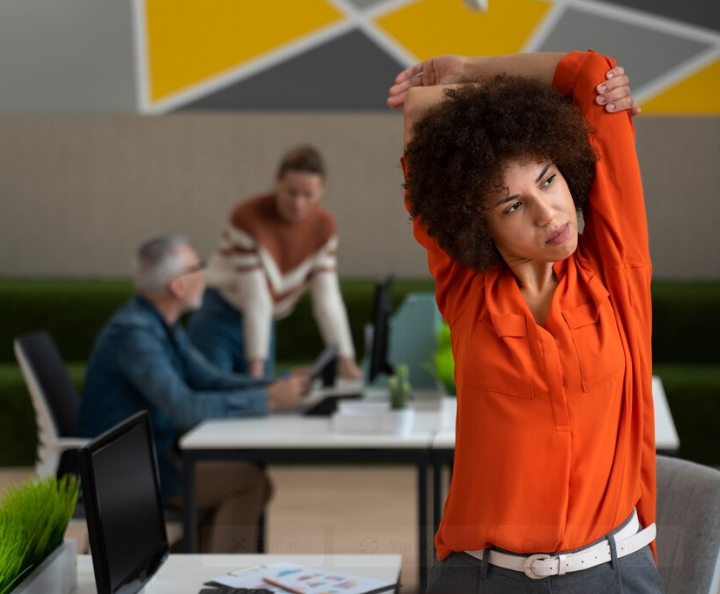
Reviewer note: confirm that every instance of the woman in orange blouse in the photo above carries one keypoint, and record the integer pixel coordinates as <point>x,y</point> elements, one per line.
<point>554,476</point>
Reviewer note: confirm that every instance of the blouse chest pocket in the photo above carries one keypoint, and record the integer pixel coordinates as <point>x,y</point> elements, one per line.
<point>597,342</point>
<point>499,359</point>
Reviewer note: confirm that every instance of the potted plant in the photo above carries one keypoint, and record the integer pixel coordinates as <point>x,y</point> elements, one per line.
<point>400,387</point>
<point>400,418</point>
<point>33,519</point>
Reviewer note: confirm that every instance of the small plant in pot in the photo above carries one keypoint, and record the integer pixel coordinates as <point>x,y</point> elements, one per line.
<point>400,418</point>
<point>33,519</point>
<point>400,387</point>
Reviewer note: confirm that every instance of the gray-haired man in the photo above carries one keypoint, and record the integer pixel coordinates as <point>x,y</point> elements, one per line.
<point>142,359</point>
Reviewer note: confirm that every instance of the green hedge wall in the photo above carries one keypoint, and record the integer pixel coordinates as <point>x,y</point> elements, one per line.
<point>686,322</point>
<point>686,316</point>
<point>73,311</point>
<point>693,393</point>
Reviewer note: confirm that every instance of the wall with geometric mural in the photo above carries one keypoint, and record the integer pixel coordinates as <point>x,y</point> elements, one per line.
<point>238,81</point>
<point>346,51</point>
<point>159,56</point>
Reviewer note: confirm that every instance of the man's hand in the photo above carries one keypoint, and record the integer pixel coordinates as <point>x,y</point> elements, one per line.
<point>285,394</point>
<point>300,372</point>
<point>443,70</point>
<point>614,92</point>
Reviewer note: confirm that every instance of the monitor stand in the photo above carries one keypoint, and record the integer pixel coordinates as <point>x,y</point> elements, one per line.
<point>377,391</point>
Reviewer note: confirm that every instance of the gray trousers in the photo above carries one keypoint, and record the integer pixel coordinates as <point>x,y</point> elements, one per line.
<point>461,573</point>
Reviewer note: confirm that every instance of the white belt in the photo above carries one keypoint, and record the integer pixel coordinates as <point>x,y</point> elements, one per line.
<point>628,540</point>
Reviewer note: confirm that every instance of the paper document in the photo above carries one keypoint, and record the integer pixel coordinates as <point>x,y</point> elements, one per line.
<point>302,579</point>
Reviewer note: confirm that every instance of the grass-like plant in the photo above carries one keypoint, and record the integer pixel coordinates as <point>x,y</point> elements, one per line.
<point>33,519</point>
<point>13,549</point>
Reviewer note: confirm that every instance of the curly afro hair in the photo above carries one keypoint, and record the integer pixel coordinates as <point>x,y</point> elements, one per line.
<point>460,147</point>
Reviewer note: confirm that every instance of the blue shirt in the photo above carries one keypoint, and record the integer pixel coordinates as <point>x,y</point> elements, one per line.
<point>139,362</point>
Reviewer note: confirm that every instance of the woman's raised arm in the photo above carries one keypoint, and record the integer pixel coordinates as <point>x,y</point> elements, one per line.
<point>448,70</point>
<point>613,91</point>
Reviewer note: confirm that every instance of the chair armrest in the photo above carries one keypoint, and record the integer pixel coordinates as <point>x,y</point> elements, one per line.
<point>70,443</point>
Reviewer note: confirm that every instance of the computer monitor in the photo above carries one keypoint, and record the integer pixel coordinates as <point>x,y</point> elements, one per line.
<point>382,309</point>
<point>123,505</point>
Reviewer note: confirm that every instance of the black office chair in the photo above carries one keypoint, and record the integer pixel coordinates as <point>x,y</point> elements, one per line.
<point>56,403</point>
<point>688,525</point>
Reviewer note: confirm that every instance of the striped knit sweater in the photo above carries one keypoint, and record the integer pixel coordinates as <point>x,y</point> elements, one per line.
<point>263,264</point>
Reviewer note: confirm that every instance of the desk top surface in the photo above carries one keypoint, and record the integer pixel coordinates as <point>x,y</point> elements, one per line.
<point>185,574</point>
<point>293,431</point>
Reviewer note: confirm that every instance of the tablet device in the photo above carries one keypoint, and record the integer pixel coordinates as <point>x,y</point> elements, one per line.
<point>327,405</point>
<point>324,359</point>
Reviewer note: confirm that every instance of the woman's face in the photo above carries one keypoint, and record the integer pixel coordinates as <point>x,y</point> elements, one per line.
<point>532,217</point>
<point>296,193</point>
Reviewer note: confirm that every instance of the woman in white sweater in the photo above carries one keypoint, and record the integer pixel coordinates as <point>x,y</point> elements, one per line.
<point>273,247</point>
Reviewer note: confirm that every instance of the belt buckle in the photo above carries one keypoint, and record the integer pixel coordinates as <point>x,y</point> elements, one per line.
<point>530,560</point>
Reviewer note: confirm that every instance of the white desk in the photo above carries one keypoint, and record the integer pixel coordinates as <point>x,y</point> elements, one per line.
<point>294,438</point>
<point>667,442</point>
<point>185,574</point>
<point>284,433</point>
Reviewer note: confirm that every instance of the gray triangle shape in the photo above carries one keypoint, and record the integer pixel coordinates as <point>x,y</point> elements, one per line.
<point>704,13</point>
<point>367,3</point>
<point>644,53</point>
<point>347,73</point>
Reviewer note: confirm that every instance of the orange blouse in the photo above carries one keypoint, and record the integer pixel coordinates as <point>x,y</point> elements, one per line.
<point>555,436</point>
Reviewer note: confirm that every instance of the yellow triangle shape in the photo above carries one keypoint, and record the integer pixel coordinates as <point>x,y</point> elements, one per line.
<point>435,27</point>
<point>699,94</point>
<point>189,41</point>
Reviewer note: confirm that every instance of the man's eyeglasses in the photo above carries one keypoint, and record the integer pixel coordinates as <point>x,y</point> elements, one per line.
<point>201,265</point>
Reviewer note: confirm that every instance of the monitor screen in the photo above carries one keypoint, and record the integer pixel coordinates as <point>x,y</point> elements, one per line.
<point>382,308</point>
<point>121,491</point>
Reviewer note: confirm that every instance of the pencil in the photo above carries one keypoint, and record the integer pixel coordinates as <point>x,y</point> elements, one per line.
<point>282,586</point>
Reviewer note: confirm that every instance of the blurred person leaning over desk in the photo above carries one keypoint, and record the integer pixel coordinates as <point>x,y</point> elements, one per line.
<point>273,247</point>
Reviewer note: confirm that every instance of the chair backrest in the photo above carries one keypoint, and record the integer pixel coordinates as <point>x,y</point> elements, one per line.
<point>688,523</point>
<point>54,397</point>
